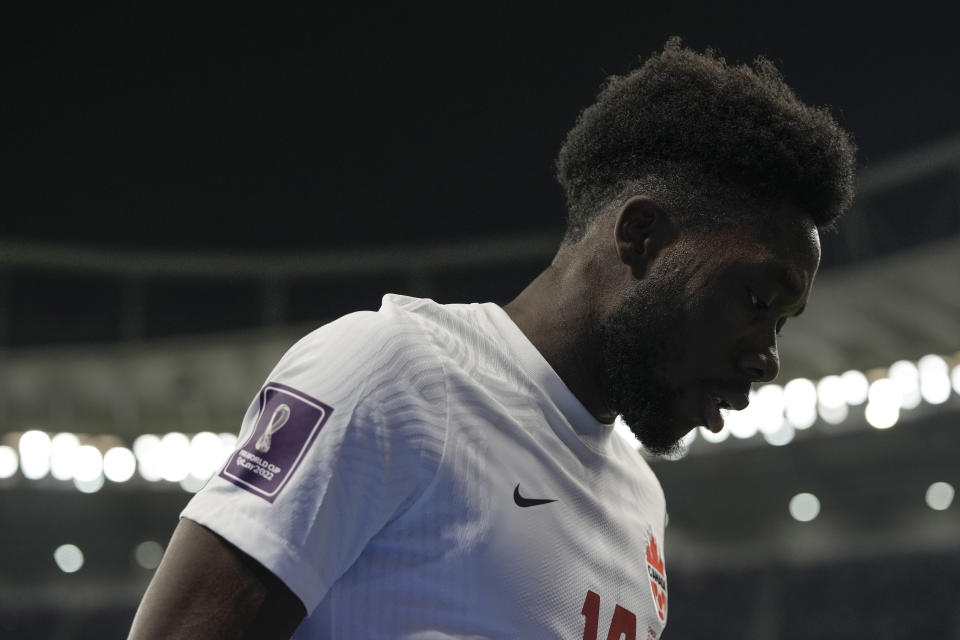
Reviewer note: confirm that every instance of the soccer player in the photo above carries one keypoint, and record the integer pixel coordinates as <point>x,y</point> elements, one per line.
<point>450,471</point>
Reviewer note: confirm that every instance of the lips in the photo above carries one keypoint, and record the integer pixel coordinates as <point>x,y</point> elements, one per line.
<point>734,399</point>
<point>713,418</point>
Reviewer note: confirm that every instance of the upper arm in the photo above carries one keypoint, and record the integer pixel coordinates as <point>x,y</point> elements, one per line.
<point>353,444</point>
<point>206,589</point>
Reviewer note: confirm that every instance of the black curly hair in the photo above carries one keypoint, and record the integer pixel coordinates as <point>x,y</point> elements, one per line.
<point>696,132</point>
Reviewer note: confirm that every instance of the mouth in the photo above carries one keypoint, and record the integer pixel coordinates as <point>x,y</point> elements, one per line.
<point>713,419</point>
<point>720,402</point>
<point>726,400</point>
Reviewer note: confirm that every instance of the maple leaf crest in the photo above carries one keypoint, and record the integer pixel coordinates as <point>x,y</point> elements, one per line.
<point>658,578</point>
<point>653,556</point>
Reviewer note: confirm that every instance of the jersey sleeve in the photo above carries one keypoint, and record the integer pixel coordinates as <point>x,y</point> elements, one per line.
<point>345,435</point>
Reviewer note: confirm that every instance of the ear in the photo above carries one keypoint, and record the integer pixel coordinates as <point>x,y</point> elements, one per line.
<point>642,230</point>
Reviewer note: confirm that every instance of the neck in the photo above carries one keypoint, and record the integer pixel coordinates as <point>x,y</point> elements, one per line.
<point>553,312</point>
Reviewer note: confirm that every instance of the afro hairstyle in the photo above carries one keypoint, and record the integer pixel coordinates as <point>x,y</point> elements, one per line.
<point>686,125</point>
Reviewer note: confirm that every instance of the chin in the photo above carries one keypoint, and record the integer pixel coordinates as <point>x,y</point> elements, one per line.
<point>658,441</point>
<point>672,450</point>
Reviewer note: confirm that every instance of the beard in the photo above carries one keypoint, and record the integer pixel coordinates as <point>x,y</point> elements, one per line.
<point>638,341</point>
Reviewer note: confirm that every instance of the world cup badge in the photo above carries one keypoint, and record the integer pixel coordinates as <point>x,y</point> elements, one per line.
<point>288,423</point>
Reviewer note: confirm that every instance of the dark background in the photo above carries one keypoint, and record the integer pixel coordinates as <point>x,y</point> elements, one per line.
<point>263,127</point>
<point>187,131</point>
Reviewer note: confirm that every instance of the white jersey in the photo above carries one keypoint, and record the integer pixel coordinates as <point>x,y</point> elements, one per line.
<point>421,472</point>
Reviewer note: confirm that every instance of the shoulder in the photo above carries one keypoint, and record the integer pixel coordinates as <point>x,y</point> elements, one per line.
<point>363,333</point>
<point>359,344</point>
<point>368,365</point>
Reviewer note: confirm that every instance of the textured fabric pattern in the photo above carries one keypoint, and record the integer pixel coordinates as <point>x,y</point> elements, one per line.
<point>401,519</point>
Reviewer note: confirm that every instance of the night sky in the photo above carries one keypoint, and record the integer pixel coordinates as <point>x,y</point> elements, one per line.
<point>273,128</point>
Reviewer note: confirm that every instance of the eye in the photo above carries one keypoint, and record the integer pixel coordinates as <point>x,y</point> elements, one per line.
<point>757,302</point>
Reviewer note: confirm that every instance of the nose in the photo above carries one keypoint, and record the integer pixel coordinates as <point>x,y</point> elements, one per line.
<point>761,365</point>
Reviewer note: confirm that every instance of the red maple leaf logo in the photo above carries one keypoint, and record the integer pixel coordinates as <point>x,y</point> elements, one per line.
<point>653,555</point>
<point>658,578</point>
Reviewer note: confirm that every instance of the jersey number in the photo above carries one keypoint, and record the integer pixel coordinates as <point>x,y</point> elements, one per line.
<point>624,623</point>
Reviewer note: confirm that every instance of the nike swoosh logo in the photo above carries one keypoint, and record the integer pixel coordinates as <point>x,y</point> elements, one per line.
<point>527,502</point>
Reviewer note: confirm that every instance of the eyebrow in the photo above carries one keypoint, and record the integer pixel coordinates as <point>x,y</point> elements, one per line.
<point>783,278</point>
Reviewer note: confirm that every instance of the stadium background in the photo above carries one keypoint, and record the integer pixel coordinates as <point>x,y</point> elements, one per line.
<point>188,190</point>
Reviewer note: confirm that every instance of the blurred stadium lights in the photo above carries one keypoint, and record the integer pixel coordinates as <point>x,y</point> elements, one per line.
<point>8,461</point>
<point>146,448</point>
<point>855,387</point>
<point>939,496</point>
<point>69,558</point>
<point>800,403</point>
<point>148,554</point>
<point>740,424</point>
<point>63,455</point>
<point>935,378</point>
<point>174,452</point>
<point>883,403</point>
<point>804,507</point>
<point>35,450</point>
<point>89,464</point>
<point>781,436</point>
<point>831,400</point>
<point>776,413</point>
<point>119,464</point>
<point>906,377</point>
<point>89,486</point>
<point>767,404</point>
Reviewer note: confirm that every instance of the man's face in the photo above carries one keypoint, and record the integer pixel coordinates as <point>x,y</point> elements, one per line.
<point>702,326</point>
